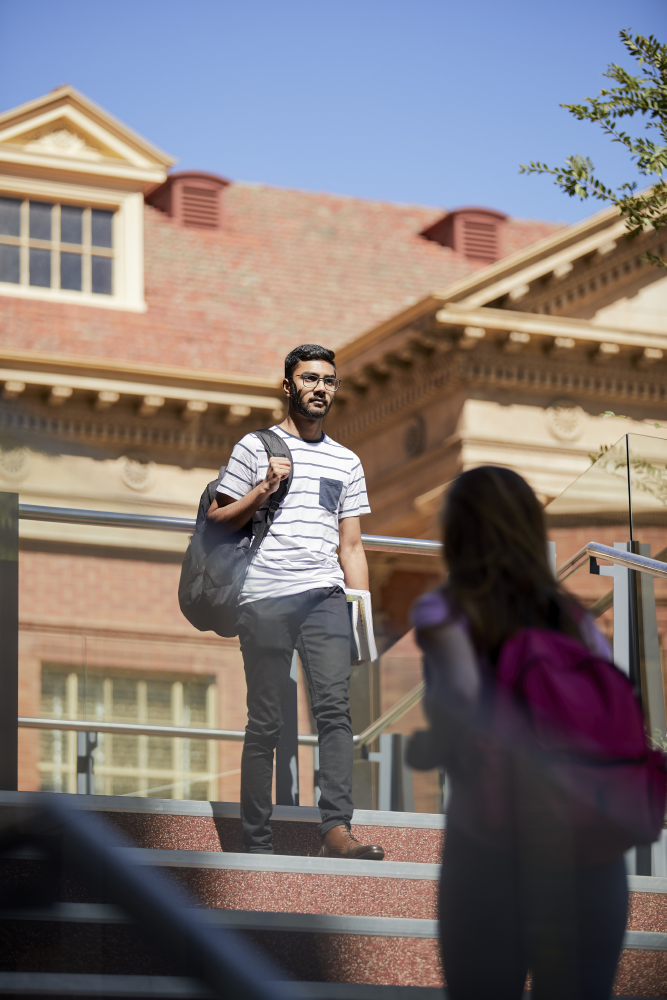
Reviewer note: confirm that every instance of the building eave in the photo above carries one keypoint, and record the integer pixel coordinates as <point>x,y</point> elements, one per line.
<point>109,368</point>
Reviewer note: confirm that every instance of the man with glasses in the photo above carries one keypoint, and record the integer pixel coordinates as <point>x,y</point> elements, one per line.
<point>294,597</point>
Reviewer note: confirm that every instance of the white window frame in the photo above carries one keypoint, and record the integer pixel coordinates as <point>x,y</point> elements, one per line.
<point>178,778</point>
<point>128,271</point>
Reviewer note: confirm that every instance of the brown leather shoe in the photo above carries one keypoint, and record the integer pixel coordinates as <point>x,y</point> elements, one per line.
<point>339,843</point>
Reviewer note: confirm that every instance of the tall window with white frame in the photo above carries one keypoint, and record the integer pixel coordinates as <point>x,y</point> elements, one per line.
<point>160,766</point>
<point>51,245</point>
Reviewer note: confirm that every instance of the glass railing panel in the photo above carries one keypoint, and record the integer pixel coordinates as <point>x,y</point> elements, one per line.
<point>648,489</point>
<point>598,499</point>
<point>648,492</point>
<point>102,639</point>
<point>596,593</point>
<point>628,614</point>
<point>594,508</point>
<point>400,672</point>
<point>648,657</point>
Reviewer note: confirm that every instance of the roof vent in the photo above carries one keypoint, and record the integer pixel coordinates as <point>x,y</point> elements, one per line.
<point>474,232</point>
<point>193,199</point>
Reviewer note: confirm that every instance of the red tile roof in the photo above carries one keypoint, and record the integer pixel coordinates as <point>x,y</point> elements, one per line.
<point>287,267</point>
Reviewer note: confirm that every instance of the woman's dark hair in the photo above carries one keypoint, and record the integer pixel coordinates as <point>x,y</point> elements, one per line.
<point>307,352</point>
<point>495,548</point>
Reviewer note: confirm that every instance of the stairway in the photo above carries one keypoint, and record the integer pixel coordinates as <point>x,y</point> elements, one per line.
<point>347,930</point>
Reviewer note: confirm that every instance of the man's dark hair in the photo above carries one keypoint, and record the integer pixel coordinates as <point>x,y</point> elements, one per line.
<point>307,352</point>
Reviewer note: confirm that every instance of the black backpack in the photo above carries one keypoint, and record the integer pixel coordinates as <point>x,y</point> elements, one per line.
<point>217,558</point>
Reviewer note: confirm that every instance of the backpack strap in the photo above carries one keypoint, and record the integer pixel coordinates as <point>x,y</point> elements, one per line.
<point>275,447</point>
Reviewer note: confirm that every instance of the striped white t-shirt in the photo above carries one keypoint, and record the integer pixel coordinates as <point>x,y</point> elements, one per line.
<point>299,552</point>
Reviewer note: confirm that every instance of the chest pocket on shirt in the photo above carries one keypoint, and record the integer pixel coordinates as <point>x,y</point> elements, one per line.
<point>330,491</point>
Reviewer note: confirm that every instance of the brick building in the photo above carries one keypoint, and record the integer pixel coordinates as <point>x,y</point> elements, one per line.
<point>145,316</point>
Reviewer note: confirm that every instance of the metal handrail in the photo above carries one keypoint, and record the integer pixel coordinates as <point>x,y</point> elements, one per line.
<point>642,564</point>
<point>159,522</point>
<point>233,735</point>
<point>136,729</point>
<point>379,543</point>
<point>113,519</point>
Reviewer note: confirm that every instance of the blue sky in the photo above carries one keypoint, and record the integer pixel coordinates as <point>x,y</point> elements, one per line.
<point>425,101</point>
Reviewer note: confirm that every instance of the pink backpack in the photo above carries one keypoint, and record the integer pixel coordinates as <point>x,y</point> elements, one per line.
<point>568,722</point>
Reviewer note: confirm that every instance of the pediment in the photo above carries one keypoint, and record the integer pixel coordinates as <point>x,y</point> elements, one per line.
<point>63,137</point>
<point>64,127</point>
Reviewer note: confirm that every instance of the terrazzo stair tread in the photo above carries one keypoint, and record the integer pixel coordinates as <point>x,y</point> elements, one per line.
<point>192,807</point>
<point>83,986</point>
<point>325,957</point>
<point>215,826</point>
<point>27,984</point>
<point>41,946</point>
<point>103,913</point>
<point>369,922</point>
<point>258,920</point>
<point>284,863</point>
<point>230,861</point>
<point>318,885</point>
<point>353,893</point>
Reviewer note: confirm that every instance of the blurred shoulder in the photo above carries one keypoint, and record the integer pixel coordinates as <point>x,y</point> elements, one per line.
<point>432,609</point>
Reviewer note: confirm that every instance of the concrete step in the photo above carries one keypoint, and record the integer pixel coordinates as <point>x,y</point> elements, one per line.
<point>36,984</point>
<point>272,920</point>
<point>218,880</point>
<point>87,987</point>
<point>98,939</point>
<point>321,919</point>
<point>216,826</point>
<point>90,987</point>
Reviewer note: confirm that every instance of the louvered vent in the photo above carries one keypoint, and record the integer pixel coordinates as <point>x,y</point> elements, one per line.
<point>193,199</point>
<point>480,240</point>
<point>474,232</point>
<point>199,207</point>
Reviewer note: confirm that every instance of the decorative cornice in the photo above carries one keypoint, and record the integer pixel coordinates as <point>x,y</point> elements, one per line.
<point>161,437</point>
<point>591,276</point>
<point>134,371</point>
<point>543,329</point>
<point>376,403</point>
<point>97,387</point>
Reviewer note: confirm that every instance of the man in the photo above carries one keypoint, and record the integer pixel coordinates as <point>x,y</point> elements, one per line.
<point>294,597</point>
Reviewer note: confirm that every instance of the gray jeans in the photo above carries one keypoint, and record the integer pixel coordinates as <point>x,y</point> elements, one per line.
<point>317,624</point>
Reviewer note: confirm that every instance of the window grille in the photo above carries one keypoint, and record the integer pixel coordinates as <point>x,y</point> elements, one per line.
<point>160,766</point>
<point>46,244</point>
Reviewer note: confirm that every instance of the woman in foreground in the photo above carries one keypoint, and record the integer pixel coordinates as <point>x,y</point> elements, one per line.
<point>522,900</point>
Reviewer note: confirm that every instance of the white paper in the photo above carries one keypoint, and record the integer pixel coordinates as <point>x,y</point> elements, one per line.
<point>361,618</point>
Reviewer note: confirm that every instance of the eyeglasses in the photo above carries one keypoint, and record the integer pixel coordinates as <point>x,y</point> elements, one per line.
<point>311,380</point>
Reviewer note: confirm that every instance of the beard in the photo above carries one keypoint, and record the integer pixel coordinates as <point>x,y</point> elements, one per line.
<point>303,409</point>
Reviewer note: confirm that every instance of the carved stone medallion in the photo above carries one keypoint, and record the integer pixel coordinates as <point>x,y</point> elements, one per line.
<point>14,463</point>
<point>565,420</point>
<point>136,472</point>
<point>414,440</point>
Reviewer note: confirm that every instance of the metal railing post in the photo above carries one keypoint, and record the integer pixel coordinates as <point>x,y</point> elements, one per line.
<point>9,640</point>
<point>85,780</point>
